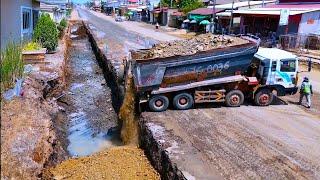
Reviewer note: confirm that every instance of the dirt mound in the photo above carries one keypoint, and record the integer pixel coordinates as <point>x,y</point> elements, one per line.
<point>203,42</point>
<point>27,135</point>
<point>116,163</point>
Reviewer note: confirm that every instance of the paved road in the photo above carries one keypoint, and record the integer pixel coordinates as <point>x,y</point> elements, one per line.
<point>137,27</point>
<point>120,37</point>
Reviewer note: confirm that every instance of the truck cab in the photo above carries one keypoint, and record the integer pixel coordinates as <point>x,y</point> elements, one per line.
<point>278,70</point>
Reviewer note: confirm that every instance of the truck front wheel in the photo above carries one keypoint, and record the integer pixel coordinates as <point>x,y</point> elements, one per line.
<point>183,101</point>
<point>264,97</point>
<point>158,103</point>
<point>234,98</point>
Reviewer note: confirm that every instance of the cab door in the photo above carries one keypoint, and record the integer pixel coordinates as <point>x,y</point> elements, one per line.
<point>286,73</point>
<point>272,72</point>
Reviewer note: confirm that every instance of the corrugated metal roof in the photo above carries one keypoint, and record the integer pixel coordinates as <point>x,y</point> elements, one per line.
<point>226,1</point>
<point>294,6</point>
<point>203,11</point>
<point>272,11</point>
<point>241,4</point>
<point>53,1</point>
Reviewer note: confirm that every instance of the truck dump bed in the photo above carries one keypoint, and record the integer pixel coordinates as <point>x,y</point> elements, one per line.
<point>152,72</point>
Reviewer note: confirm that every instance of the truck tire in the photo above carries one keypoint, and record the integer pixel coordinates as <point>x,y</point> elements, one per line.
<point>263,97</point>
<point>234,98</point>
<point>158,103</point>
<point>183,101</point>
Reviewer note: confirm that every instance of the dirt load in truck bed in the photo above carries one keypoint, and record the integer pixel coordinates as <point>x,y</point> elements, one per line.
<point>203,42</point>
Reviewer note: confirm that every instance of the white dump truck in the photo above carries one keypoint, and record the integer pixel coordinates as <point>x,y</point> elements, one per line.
<point>228,75</point>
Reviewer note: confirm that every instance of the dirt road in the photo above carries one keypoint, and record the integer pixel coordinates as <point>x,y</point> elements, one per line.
<point>276,142</point>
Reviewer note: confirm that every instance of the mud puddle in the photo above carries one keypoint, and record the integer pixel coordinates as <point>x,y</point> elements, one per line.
<point>84,141</point>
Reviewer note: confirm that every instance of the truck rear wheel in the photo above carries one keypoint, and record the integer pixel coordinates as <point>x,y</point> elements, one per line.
<point>158,103</point>
<point>183,101</point>
<point>234,98</point>
<point>263,97</point>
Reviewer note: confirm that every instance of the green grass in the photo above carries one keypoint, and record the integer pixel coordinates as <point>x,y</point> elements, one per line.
<point>11,65</point>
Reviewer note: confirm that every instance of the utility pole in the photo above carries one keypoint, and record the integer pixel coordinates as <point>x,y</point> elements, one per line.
<point>231,17</point>
<point>170,3</point>
<point>213,15</point>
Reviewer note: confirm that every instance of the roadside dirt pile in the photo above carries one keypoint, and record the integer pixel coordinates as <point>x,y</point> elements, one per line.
<point>28,139</point>
<point>116,163</point>
<point>190,46</point>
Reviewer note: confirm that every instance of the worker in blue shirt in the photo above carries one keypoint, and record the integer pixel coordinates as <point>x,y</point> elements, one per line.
<point>306,91</point>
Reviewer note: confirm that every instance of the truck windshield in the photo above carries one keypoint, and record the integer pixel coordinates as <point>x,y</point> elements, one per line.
<point>288,65</point>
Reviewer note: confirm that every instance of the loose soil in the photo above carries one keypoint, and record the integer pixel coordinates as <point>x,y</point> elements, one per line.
<point>115,163</point>
<point>128,116</point>
<point>203,42</point>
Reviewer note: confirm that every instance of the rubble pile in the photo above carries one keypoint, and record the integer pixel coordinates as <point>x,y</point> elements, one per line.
<point>203,42</point>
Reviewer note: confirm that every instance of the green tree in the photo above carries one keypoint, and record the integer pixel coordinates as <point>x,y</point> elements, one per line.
<point>189,5</point>
<point>46,33</point>
<point>167,3</point>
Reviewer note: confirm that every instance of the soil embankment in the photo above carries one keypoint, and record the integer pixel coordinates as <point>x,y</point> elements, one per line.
<point>29,141</point>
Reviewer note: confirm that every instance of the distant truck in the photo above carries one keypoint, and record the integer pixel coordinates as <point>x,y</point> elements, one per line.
<point>228,75</point>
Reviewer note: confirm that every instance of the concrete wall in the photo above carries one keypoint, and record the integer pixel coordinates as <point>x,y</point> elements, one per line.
<point>11,19</point>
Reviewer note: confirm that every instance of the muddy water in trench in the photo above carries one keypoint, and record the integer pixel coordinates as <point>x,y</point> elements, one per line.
<point>90,115</point>
<point>91,121</point>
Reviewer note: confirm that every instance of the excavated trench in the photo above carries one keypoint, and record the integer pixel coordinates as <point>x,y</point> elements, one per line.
<point>91,121</point>
<point>89,129</point>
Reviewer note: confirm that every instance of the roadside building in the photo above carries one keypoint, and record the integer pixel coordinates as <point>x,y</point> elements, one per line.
<point>303,18</point>
<point>175,18</point>
<point>225,14</point>
<point>18,19</point>
<point>291,19</point>
<point>159,15</point>
<point>56,9</point>
<point>196,16</point>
